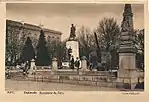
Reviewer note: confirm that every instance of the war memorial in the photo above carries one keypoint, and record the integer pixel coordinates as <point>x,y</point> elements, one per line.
<point>126,76</point>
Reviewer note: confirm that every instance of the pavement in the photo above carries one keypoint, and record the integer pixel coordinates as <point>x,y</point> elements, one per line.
<point>48,86</point>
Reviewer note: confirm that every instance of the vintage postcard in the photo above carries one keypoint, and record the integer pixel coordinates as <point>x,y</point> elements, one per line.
<point>75,48</point>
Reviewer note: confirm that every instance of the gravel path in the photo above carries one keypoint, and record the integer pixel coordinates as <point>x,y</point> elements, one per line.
<point>43,86</point>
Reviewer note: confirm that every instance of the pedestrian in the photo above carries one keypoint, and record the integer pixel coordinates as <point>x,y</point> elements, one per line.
<point>27,66</point>
<point>92,62</point>
<point>22,65</point>
<point>90,66</point>
<point>139,85</point>
<point>72,63</point>
<point>17,66</point>
<point>7,73</point>
<point>77,63</point>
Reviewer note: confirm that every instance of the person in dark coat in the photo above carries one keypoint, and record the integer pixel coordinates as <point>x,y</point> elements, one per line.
<point>27,66</point>
<point>77,63</point>
<point>72,63</point>
<point>93,62</point>
<point>139,85</point>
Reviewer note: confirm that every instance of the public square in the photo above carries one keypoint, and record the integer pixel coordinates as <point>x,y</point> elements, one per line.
<point>44,86</point>
<point>69,46</point>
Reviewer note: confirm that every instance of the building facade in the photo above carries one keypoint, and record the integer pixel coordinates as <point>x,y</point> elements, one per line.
<point>32,31</point>
<point>17,32</point>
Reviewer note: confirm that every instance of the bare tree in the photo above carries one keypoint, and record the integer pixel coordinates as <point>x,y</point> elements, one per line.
<point>15,39</point>
<point>86,40</point>
<point>56,49</point>
<point>139,41</point>
<point>108,31</point>
<point>12,45</point>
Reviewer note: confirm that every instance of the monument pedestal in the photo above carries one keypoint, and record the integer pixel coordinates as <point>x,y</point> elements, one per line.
<point>74,45</point>
<point>127,72</point>
<point>84,64</point>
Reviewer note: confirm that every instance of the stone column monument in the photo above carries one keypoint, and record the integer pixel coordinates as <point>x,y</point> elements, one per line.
<point>127,52</point>
<point>73,43</point>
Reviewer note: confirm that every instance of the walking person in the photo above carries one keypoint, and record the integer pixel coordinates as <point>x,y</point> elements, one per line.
<point>26,67</point>
<point>22,65</point>
<point>7,73</point>
<point>92,63</point>
<point>72,63</point>
<point>77,63</point>
<point>90,66</point>
<point>139,85</point>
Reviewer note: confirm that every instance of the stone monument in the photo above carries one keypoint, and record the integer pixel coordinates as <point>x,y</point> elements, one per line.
<point>84,64</point>
<point>33,67</point>
<point>127,72</point>
<point>73,43</point>
<point>54,64</point>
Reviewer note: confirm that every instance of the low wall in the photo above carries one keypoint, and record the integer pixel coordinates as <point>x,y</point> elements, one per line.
<point>94,78</point>
<point>103,79</point>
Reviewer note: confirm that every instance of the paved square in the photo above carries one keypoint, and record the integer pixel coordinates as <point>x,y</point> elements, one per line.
<point>44,86</point>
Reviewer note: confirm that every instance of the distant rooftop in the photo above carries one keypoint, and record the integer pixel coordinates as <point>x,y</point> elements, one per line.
<point>11,22</point>
<point>52,31</point>
<point>31,26</point>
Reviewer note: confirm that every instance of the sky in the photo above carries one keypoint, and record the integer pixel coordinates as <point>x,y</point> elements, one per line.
<point>59,17</point>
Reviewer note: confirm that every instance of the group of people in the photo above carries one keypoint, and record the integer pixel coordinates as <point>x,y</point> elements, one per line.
<point>92,63</point>
<point>25,66</point>
<point>74,63</point>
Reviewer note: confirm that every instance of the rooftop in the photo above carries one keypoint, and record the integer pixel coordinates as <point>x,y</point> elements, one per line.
<point>52,31</point>
<point>31,26</point>
<point>11,22</point>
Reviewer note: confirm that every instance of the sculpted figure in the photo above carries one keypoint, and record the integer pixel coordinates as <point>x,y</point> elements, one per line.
<point>72,32</point>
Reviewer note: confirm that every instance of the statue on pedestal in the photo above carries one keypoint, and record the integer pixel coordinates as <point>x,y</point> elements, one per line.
<point>72,32</point>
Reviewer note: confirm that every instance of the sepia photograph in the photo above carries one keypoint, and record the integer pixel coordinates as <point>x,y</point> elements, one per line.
<point>74,47</point>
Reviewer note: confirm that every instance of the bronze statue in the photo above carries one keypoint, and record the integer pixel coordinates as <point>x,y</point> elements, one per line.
<point>72,32</point>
